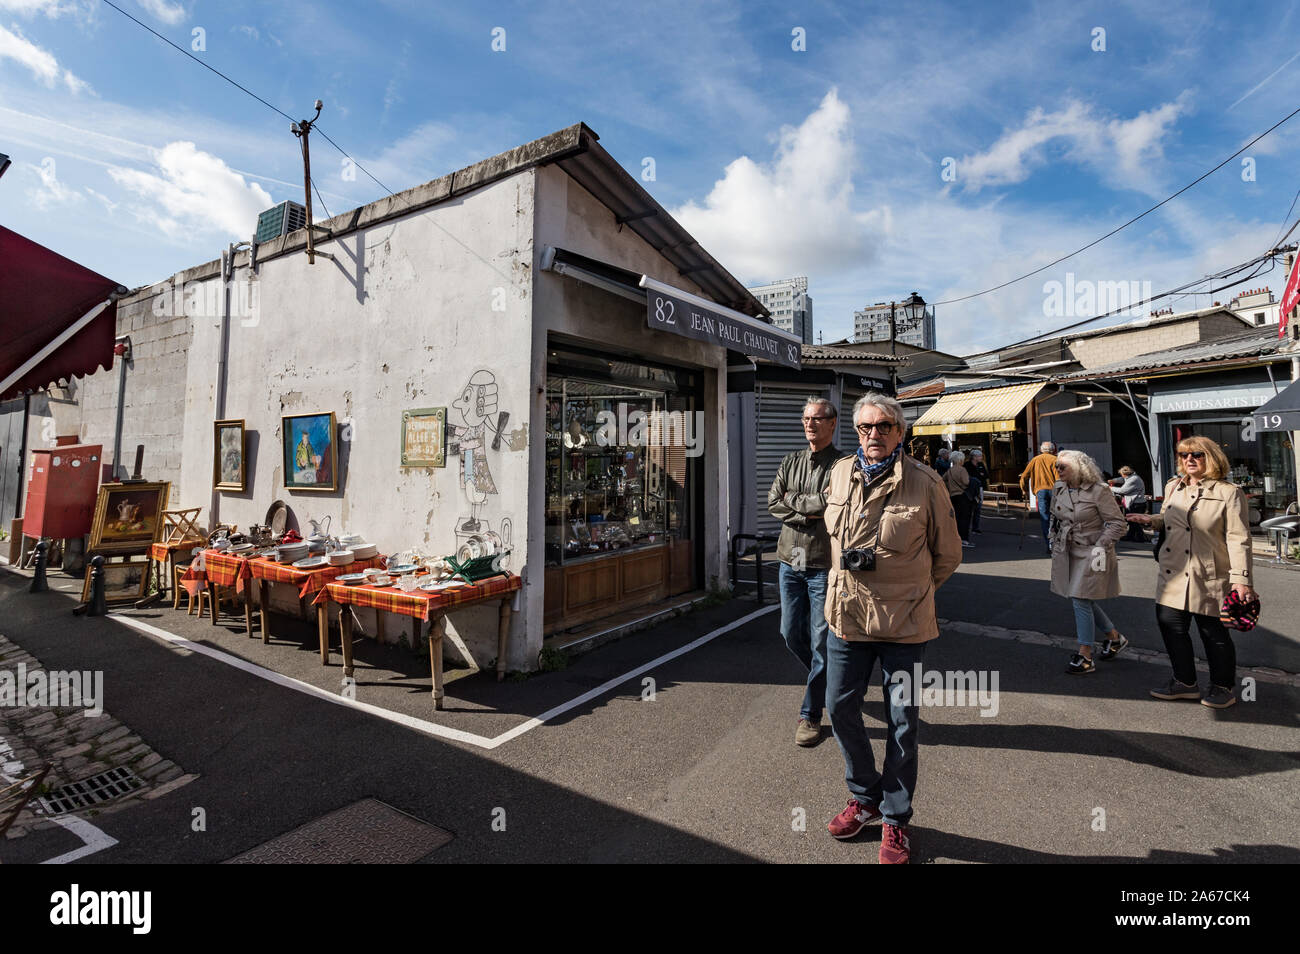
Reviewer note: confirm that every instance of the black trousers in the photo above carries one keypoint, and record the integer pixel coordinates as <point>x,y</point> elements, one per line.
<point>961,506</point>
<point>1175,628</point>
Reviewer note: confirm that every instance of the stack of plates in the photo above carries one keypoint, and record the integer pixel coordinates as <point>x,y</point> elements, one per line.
<point>340,557</point>
<point>352,579</point>
<point>364,551</point>
<point>292,552</point>
<point>403,568</point>
<point>311,563</point>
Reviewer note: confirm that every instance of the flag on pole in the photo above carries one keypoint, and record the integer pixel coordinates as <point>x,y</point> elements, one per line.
<point>1289,297</point>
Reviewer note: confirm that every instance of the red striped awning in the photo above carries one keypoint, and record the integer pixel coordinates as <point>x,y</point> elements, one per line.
<point>42,294</point>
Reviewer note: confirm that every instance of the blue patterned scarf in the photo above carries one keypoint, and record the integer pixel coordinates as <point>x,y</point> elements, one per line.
<point>871,471</point>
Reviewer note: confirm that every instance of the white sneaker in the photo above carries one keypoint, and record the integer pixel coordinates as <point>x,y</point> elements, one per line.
<point>968,544</point>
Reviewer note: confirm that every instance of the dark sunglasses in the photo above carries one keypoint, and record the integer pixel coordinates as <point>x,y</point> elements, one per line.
<point>883,428</point>
<point>1199,455</point>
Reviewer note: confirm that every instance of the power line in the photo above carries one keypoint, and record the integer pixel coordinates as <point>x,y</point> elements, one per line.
<point>199,61</point>
<point>1135,218</point>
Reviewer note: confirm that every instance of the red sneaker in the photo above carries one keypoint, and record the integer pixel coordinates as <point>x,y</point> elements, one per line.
<point>895,846</point>
<point>853,819</point>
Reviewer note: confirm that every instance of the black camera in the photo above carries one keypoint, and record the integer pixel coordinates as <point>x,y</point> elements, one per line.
<point>859,560</point>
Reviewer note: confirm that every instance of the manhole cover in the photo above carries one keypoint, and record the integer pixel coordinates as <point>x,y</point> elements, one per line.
<point>365,832</point>
<point>94,790</point>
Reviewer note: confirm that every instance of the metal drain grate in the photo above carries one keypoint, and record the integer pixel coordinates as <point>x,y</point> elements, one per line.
<point>365,832</point>
<point>95,790</point>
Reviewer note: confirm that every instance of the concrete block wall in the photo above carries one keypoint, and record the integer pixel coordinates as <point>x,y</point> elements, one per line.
<point>154,409</point>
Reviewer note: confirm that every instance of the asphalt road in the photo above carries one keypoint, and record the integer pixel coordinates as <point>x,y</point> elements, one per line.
<point>705,770</point>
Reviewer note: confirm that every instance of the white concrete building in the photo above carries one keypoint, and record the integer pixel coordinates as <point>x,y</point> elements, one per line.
<point>789,304</point>
<point>508,293</point>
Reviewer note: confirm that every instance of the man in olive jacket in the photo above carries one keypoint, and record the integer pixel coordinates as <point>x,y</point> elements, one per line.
<point>894,541</point>
<point>798,499</point>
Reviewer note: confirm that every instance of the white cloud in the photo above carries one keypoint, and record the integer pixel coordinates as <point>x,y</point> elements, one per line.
<point>793,214</point>
<point>53,9</point>
<point>169,13</point>
<point>1123,150</point>
<point>42,63</point>
<point>249,31</point>
<point>51,191</point>
<point>194,191</point>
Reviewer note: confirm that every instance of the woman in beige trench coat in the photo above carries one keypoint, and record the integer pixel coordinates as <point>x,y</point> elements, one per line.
<point>1206,553</point>
<point>1086,522</point>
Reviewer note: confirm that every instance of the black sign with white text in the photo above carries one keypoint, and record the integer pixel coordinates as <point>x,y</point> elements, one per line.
<point>668,313</point>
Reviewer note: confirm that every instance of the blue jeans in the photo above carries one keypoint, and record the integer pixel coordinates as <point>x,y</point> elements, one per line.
<point>803,626</point>
<point>849,666</point>
<point>1044,498</point>
<point>1087,614</point>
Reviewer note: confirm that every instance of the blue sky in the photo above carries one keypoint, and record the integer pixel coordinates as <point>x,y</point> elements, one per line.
<point>826,161</point>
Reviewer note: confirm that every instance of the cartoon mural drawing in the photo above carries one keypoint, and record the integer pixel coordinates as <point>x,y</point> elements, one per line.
<point>474,440</point>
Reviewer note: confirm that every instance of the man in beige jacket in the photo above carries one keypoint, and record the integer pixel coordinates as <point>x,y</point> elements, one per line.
<point>893,542</point>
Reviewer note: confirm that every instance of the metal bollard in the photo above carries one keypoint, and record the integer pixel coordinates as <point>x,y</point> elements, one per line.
<point>39,583</point>
<point>98,607</point>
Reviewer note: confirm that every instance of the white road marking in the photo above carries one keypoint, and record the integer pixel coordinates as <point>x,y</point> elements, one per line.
<point>95,840</point>
<point>423,725</point>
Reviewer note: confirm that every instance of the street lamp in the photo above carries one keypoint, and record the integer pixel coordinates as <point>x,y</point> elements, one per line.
<point>913,309</point>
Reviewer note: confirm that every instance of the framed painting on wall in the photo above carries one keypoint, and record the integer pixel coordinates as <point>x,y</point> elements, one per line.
<point>128,517</point>
<point>310,454</point>
<point>424,433</point>
<point>228,465</point>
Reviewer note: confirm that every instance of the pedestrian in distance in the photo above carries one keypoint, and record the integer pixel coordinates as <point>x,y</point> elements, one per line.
<point>957,482</point>
<point>1036,482</point>
<point>942,462</point>
<point>1086,523</point>
<point>1132,494</point>
<point>893,543</point>
<point>1206,554</point>
<point>979,473</point>
<point>798,499</point>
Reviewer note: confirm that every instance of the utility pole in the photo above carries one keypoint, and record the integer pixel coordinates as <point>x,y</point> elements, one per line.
<point>893,333</point>
<point>302,129</point>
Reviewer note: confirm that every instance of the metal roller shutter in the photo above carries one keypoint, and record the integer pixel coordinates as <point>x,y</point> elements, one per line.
<point>779,432</point>
<point>847,439</point>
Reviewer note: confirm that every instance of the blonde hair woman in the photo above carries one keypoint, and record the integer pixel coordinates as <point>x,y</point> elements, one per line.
<point>1086,522</point>
<point>1206,553</point>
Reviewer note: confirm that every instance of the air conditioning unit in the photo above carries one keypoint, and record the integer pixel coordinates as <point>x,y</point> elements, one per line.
<point>284,218</point>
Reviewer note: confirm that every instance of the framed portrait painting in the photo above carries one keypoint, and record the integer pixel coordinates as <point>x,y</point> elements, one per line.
<point>310,453</point>
<point>128,517</point>
<point>229,471</point>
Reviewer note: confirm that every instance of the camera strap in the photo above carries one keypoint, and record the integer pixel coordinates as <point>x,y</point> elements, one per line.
<point>866,489</point>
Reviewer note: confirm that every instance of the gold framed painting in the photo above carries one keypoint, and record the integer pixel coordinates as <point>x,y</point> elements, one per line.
<point>424,432</point>
<point>128,517</point>
<point>229,469</point>
<point>310,452</point>
<point>125,580</point>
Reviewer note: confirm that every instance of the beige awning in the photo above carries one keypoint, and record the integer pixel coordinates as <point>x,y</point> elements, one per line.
<point>977,412</point>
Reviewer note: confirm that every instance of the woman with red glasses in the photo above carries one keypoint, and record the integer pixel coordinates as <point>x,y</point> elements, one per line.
<point>1206,553</point>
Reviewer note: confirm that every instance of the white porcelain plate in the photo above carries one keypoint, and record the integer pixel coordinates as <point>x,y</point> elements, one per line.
<point>312,563</point>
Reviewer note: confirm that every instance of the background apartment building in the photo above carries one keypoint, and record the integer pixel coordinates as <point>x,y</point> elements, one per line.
<point>789,304</point>
<point>872,324</point>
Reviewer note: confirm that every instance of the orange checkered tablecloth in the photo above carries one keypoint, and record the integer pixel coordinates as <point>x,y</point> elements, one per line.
<point>226,570</point>
<point>160,551</point>
<point>307,581</point>
<point>419,604</point>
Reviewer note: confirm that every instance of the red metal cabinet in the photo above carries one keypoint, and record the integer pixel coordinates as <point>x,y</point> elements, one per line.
<point>62,486</point>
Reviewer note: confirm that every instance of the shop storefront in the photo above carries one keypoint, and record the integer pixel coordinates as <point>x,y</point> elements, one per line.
<point>624,441</point>
<point>1222,407</point>
<point>991,419</point>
